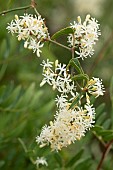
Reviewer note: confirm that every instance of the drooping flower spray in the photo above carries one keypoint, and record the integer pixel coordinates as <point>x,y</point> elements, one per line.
<point>75,113</point>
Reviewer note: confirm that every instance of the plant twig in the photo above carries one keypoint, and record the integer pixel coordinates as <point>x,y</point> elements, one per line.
<point>57,43</point>
<point>25,149</point>
<point>99,139</point>
<point>15,9</point>
<point>23,145</point>
<point>36,11</point>
<point>107,149</point>
<point>33,4</point>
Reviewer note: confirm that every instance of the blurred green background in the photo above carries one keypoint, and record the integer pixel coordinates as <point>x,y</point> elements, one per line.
<point>25,107</point>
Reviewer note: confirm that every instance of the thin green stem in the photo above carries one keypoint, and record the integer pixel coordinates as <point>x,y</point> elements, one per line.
<point>99,139</point>
<point>36,11</point>
<point>57,43</point>
<point>25,149</point>
<point>23,145</point>
<point>79,86</point>
<point>15,9</point>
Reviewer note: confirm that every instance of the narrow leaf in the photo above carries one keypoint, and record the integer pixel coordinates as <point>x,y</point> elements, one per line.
<point>84,164</point>
<point>76,64</point>
<point>108,137</point>
<point>75,159</point>
<point>12,98</point>
<point>100,109</point>
<point>107,123</point>
<point>58,159</point>
<point>25,100</point>
<point>80,77</point>
<point>75,101</point>
<point>97,128</point>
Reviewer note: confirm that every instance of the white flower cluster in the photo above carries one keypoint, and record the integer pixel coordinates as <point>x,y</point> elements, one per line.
<point>41,161</point>
<point>84,37</point>
<point>60,79</point>
<point>30,29</point>
<point>69,125</point>
<point>95,87</point>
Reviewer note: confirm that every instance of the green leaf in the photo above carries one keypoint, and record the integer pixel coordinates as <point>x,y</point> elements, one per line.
<point>75,158</point>
<point>12,98</point>
<point>80,77</point>
<point>58,159</point>
<point>18,129</point>
<point>3,70</point>
<point>7,51</point>
<point>75,101</point>
<point>2,92</point>
<point>101,119</point>
<point>4,120</point>
<point>76,64</point>
<point>27,97</point>
<point>108,137</point>
<point>84,164</point>
<point>47,107</point>
<point>97,128</point>
<point>100,114</point>
<point>35,98</point>
<point>107,123</point>
<point>100,109</point>
<point>7,90</point>
<point>64,31</point>
<point>105,134</point>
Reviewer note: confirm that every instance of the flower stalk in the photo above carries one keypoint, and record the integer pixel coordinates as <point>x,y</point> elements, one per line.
<point>59,44</point>
<point>15,9</point>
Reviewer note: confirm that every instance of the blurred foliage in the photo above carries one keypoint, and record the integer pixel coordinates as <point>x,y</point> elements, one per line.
<point>25,107</point>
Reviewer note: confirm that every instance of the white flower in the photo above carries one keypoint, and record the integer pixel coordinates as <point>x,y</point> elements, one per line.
<point>61,101</point>
<point>31,29</point>
<point>47,64</point>
<point>68,126</point>
<point>59,79</point>
<point>95,87</point>
<point>90,112</point>
<point>85,36</point>
<point>61,68</point>
<point>41,161</point>
<point>35,46</point>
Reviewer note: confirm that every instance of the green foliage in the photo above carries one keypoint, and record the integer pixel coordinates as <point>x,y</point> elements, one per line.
<point>64,31</point>
<point>75,101</point>
<point>74,159</point>
<point>76,64</point>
